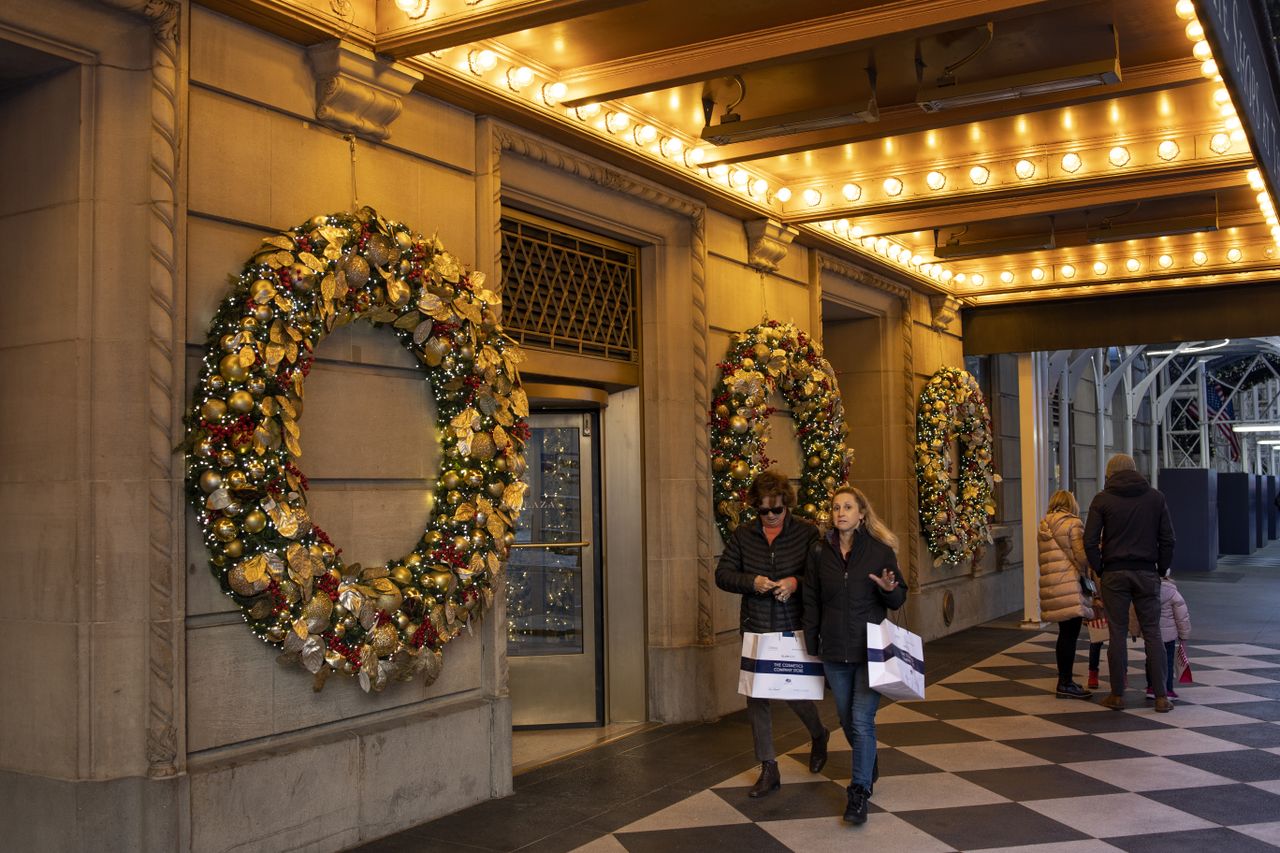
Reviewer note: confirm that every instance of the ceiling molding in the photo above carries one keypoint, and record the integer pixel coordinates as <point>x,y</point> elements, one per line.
<point>903,119</point>
<point>485,22</point>
<point>682,64</point>
<point>298,22</point>
<point>1042,198</point>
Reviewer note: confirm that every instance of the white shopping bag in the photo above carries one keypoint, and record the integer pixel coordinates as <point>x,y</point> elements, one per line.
<point>895,661</point>
<point>776,666</point>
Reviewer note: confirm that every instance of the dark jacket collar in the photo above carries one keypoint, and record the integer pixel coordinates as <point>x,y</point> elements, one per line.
<point>1127,484</point>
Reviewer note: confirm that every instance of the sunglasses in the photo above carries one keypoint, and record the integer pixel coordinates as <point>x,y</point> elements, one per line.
<point>770,510</point>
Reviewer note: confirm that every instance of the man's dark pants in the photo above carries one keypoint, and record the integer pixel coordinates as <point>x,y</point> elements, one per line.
<point>1141,587</point>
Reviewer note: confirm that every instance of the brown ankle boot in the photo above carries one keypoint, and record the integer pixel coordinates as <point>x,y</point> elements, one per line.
<point>770,780</point>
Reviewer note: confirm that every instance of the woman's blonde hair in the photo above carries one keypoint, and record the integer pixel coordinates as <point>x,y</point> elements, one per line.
<point>1064,501</point>
<point>875,526</point>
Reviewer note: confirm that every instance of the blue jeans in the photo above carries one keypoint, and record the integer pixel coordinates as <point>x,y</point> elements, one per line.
<point>1170,650</point>
<point>856,703</point>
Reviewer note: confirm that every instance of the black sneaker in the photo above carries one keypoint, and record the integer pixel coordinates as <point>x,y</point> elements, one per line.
<point>856,811</point>
<point>1071,690</point>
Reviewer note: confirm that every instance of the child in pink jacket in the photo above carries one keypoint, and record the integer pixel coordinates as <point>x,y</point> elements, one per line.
<point>1175,626</point>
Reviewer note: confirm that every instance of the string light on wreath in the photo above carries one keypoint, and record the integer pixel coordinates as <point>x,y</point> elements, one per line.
<point>771,357</point>
<point>243,441</point>
<point>955,522</point>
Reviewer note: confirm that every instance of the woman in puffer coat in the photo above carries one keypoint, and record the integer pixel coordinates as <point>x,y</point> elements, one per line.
<point>1062,598</point>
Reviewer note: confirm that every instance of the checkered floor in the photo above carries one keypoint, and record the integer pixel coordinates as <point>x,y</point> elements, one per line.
<point>992,760</point>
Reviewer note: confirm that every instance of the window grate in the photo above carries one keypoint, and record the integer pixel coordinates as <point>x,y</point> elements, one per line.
<point>567,290</point>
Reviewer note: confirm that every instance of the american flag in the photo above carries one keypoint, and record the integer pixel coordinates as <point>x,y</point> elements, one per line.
<point>1224,415</point>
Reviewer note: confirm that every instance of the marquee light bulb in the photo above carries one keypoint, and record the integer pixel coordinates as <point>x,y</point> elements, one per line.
<point>671,147</point>
<point>1165,261</point>
<point>1200,259</point>
<point>759,188</point>
<point>1071,162</point>
<point>1167,150</point>
<point>852,192</point>
<point>979,175</point>
<point>1132,265</point>
<point>587,111</point>
<point>1006,277</point>
<point>1037,274</point>
<point>719,171</point>
<point>1234,255</point>
<point>783,194</point>
<point>1067,271</point>
<point>413,8</point>
<point>892,186</point>
<point>978,279</point>
<point>553,93</point>
<point>645,134</point>
<point>1201,51</point>
<point>935,180</point>
<point>1099,268</point>
<point>1194,31</point>
<point>519,76</point>
<point>961,278</point>
<point>812,197</point>
<point>1024,169</point>
<point>1209,68</point>
<point>617,122</point>
<point>1220,143</point>
<point>1118,156</point>
<point>481,61</point>
<point>1185,9</point>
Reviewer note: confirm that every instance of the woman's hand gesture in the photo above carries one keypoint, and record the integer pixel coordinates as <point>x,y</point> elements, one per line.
<point>887,580</point>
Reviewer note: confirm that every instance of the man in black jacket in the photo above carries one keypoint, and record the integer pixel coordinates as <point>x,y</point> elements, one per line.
<point>1128,539</point>
<point>763,560</point>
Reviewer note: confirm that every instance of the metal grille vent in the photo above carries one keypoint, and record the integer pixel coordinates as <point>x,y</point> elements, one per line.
<point>567,290</point>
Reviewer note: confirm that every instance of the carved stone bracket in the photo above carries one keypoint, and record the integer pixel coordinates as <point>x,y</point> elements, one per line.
<point>945,311</point>
<point>767,243</point>
<point>356,91</point>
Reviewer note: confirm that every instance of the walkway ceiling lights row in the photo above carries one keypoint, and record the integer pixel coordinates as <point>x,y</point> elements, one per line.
<point>1199,258</point>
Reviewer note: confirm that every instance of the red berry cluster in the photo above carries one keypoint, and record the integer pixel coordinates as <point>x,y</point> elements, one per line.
<point>425,635</point>
<point>522,431</point>
<point>324,537</point>
<point>446,553</point>
<point>351,653</point>
<point>242,425</point>
<point>381,618</point>
<point>302,478</point>
<point>328,584</point>
<point>282,603</point>
<point>469,595</point>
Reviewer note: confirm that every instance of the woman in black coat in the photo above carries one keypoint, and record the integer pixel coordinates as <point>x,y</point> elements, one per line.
<point>851,578</point>
<point>763,560</point>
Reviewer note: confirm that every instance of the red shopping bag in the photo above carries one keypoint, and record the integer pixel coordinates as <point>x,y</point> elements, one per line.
<point>1182,665</point>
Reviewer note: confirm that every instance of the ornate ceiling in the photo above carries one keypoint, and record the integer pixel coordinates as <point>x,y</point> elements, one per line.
<point>994,150</point>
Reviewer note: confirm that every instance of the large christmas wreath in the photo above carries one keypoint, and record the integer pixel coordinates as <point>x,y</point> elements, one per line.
<point>954,521</point>
<point>775,356</point>
<point>243,441</point>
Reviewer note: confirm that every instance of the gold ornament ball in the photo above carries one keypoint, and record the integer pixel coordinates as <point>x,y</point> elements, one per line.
<point>230,367</point>
<point>276,633</point>
<point>241,402</point>
<point>722,411</point>
<point>432,537</point>
<point>227,342</point>
<point>255,469</point>
<point>508,539</point>
<point>739,470</point>
<point>496,488</point>
<point>219,560</point>
<point>215,382</point>
<point>482,518</point>
<point>204,448</point>
<point>232,509</point>
<point>234,549</point>
<point>748,363</point>
<point>760,351</point>
<point>479,539</point>
<point>814,461</point>
<point>213,409</point>
<point>402,620</point>
<point>226,458</point>
<point>236,479</point>
<point>210,481</point>
<point>442,580</point>
<point>466,352</point>
<point>262,313</point>
<point>719,464</point>
<point>473,478</point>
<point>261,290</point>
<point>339,631</point>
<point>414,559</point>
<point>500,463</point>
<point>249,322</point>
<point>224,530</point>
<point>453,498</point>
<point>450,480</point>
<point>257,386</point>
<point>461,543</point>
<point>810,509</point>
<point>255,521</point>
<point>738,424</point>
<point>402,576</point>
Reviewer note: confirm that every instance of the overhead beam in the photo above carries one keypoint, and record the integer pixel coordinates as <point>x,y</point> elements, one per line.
<point>486,22</point>
<point>790,42</point>
<point>909,118</point>
<point>1188,314</point>
<point>1041,199</point>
